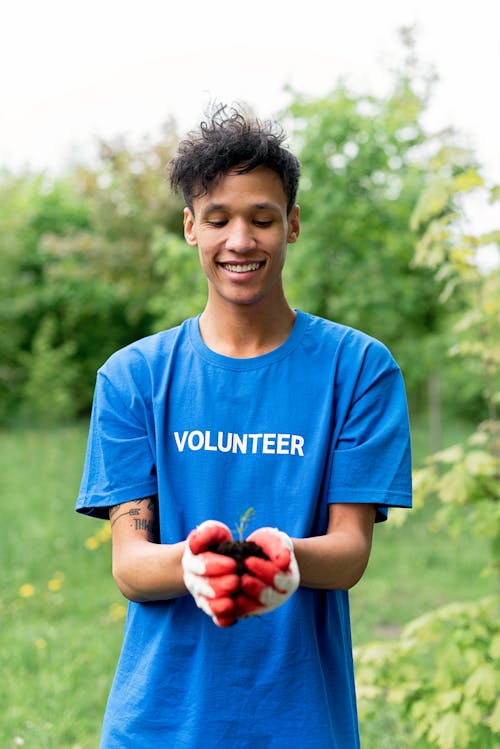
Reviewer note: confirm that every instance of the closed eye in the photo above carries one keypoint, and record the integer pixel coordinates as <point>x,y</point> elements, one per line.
<point>262,224</point>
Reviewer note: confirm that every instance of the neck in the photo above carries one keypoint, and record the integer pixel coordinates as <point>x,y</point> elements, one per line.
<point>246,330</point>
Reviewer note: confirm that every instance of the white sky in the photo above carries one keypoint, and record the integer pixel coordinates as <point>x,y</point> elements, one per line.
<point>71,71</point>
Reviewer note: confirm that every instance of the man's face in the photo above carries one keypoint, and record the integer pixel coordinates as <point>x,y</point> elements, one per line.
<point>242,229</point>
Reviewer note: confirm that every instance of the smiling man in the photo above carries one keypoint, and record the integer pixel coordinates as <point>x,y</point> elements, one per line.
<point>251,404</point>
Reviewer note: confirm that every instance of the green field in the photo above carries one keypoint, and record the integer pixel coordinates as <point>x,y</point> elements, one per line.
<point>61,615</point>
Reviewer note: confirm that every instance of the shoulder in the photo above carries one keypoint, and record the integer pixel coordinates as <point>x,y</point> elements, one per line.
<point>134,373</point>
<point>144,355</point>
<point>346,344</point>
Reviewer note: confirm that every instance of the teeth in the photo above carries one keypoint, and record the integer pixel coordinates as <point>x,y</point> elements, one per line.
<point>242,268</point>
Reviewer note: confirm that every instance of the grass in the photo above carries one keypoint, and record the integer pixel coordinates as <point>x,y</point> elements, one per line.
<point>60,632</point>
<point>62,617</point>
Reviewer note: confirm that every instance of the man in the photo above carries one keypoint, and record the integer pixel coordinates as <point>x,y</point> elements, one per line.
<point>249,405</point>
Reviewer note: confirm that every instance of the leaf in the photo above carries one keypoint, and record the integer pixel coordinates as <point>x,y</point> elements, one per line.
<point>449,698</point>
<point>450,732</point>
<point>495,647</point>
<point>480,463</point>
<point>398,695</point>
<point>433,200</point>
<point>467,181</point>
<point>453,487</point>
<point>451,455</point>
<point>495,194</point>
<point>451,155</point>
<point>471,713</point>
<point>482,684</point>
<point>491,237</point>
<point>494,719</point>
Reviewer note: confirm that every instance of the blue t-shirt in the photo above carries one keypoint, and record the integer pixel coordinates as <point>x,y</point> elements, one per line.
<point>320,419</point>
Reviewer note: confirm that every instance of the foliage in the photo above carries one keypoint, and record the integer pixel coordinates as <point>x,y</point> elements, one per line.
<point>443,672</point>
<point>466,480</point>
<point>29,205</point>
<point>364,165</point>
<point>50,376</point>
<point>181,289</point>
<point>78,250</point>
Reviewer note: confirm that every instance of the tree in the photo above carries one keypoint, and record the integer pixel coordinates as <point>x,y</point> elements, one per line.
<point>30,205</point>
<point>442,674</point>
<point>78,271</point>
<point>364,164</point>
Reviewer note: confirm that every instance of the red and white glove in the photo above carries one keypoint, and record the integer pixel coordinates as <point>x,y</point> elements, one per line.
<point>271,581</point>
<point>210,577</point>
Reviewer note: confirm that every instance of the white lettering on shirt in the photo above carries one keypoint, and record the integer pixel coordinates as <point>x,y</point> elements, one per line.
<point>195,440</point>
<point>181,441</point>
<point>283,447</point>
<point>268,443</point>
<point>240,443</point>
<point>297,445</point>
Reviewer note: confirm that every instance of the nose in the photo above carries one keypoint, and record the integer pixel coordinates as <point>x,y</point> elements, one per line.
<point>240,236</point>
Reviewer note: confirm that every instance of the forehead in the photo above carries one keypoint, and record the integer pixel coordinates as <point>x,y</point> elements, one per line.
<point>262,186</point>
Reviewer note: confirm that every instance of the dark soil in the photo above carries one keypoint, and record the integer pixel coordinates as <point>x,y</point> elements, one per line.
<point>240,550</point>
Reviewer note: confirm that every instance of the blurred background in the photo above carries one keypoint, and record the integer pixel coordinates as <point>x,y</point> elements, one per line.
<point>393,111</point>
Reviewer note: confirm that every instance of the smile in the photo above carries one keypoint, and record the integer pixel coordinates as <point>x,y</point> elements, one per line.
<point>242,267</point>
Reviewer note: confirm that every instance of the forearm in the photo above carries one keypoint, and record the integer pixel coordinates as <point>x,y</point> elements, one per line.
<point>323,564</point>
<point>338,559</point>
<point>145,571</point>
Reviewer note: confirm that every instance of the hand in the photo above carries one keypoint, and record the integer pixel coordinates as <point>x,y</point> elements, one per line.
<point>210,577</point>
<point>270,582</point>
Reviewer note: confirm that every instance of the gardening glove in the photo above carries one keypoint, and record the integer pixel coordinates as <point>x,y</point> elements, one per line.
<point>272,581</point>
<point>210,577</point>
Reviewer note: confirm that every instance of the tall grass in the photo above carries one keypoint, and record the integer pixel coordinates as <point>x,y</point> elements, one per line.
<point>61,616</point>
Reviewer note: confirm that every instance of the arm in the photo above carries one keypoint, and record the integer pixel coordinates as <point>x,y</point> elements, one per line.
<point>338,559</point>
<point>143,569</point>
<point>334,561</point>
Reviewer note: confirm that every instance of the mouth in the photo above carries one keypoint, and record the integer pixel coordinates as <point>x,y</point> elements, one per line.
<point>243,267</point>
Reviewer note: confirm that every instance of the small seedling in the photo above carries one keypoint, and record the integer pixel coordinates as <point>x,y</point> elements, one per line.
<point>244,520</point>
<point>241,549</point>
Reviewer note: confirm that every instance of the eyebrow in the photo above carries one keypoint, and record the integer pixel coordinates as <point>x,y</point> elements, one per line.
<point>265,206</point>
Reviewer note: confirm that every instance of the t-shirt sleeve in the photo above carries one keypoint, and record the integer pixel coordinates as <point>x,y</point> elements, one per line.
<point>119,462</point>
<point>372,454</point>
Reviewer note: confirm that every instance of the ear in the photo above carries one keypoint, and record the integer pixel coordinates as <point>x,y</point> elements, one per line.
<point>293,225</point>
<point>190,228</point>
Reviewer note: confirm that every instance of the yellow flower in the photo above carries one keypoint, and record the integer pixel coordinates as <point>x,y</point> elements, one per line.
<point>101,536</point>
<point>104,534</point>
<point>54,584</point>
<point>117,612</point>
<point>26,590</point>
<point>40,644</point>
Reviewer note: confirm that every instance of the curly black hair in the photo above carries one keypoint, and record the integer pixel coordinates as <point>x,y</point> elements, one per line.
<point>231,141</point>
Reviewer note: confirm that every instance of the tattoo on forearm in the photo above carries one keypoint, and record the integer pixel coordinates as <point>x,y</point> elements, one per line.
<point>129,512</point>
<point>140,524</point>
<point>144,525</point>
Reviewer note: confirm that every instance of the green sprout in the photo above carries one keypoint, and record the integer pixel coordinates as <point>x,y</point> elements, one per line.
<point>244,520</point>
